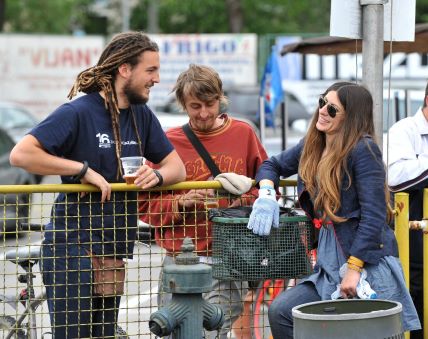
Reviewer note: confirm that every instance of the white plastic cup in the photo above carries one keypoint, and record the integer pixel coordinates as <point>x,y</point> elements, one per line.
<point>130,166</point>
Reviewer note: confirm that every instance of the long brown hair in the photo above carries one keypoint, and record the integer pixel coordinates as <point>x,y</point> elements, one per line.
<point>124,48</point>
<point>323,175</point>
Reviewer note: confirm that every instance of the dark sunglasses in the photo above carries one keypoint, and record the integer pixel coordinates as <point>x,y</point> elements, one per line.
<point>331,110</point>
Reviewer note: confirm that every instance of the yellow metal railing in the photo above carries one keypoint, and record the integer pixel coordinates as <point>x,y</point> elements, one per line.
<point>402,231</point>
<point>402,234</point>
<point>402,228</point>
<point>139,299</point>
<point>69,188</point>
<point>42,199</point>
<point>425,274</point>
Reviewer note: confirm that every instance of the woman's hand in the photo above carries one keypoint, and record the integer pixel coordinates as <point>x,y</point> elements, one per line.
<point>348,286</point>
<point>265,213</point>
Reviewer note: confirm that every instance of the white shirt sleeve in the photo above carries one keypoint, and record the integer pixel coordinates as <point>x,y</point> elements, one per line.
<point>407,155</point>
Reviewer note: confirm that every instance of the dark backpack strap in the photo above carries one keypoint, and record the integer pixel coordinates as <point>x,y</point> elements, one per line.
<point>201,150</point>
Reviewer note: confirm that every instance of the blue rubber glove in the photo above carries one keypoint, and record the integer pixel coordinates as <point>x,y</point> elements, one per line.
<point>265,213</point>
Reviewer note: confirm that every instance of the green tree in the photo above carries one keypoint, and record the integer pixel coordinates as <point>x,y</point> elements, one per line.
<point>186,16</point>
<point>45,16</point>
<point>261,17</point>
<point>2,11</point>
<point>422,11</point>
<point>175,16</point>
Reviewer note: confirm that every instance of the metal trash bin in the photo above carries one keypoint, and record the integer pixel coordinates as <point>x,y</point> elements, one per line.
<point>348,318</point>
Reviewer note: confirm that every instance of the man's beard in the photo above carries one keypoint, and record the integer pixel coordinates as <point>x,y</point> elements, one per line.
<point>134,98</point>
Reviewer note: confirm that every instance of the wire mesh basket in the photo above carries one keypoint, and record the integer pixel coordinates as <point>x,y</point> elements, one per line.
<point>239,254</point>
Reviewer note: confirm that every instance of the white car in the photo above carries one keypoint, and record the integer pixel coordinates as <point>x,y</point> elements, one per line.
<point>168,120</point>
<point>16,119</point>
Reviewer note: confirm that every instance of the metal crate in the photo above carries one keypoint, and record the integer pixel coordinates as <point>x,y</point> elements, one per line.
<point>239,254</point>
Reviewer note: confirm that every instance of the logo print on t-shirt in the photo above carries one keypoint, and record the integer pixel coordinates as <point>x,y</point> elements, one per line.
<point>104,140</point>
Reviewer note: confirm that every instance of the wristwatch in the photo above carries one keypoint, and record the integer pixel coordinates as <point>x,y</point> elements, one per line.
<point>160,182</point>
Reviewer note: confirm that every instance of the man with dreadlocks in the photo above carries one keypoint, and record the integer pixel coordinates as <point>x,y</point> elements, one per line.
<point>82,141</point>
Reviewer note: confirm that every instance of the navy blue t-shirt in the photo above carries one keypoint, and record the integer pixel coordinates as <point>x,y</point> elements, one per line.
<point>82,130</point>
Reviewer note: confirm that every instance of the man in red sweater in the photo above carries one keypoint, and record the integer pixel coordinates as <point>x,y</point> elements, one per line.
<point>234,147</point>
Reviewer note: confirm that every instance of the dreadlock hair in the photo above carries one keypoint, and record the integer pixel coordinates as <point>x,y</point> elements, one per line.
<point>124,48</point>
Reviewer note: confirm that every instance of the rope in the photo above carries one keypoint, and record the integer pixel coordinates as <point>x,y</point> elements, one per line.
<point>356,61</point>
<point>389,92</point>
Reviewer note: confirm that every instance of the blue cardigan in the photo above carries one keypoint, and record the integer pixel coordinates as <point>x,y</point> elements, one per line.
<point>366,234</point>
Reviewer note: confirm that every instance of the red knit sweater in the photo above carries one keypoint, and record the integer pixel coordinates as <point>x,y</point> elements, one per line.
<point>235,148</point>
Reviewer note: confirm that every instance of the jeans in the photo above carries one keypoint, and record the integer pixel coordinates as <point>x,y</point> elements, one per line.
<point>74,311</point>
<point>229,295</point>
<point>280,315</point>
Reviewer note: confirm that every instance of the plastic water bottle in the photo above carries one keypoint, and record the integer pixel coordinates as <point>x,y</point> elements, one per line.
<point>336,294</point>
<point>364,291</point>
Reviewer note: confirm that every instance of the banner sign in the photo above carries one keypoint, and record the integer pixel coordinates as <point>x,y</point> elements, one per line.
<point>38,71</point>
<point>233,56</point>
<point>346,19</point>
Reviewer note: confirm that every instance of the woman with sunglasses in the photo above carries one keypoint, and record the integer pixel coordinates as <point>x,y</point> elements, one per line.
<point>341,187</point>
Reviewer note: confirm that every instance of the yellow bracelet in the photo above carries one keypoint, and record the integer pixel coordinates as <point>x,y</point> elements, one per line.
<point>355,261</point>
<point>355,268</point>
<point>352,263</point>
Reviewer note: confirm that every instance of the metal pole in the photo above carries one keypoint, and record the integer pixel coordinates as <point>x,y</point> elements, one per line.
<point>153,17</point>
<point>284,125</point>
<point>262,120</point>
<point>373,58</point>
<point>396,107</point>
<point>407,104</point>
<point>125,15</point>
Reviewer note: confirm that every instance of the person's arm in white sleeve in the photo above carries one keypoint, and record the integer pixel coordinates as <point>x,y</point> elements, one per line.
<point>406,167</point>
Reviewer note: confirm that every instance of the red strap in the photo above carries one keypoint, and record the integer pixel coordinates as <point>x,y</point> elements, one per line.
<point>319,222</point>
